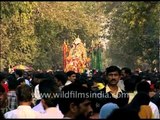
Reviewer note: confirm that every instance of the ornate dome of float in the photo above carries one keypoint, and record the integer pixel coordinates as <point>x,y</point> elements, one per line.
<point>77,59</point>
<point>77,41</point>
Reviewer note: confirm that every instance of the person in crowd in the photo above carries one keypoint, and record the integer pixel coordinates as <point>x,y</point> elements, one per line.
<point>60,79</point>
<point>123,114</point>
<point>130,80</point>
<point>140,104</point>
<point>24,110</point>
<point>107,109</point>
<point>39,107</point>
<point>125,75</point>
<point>19,73</point>
<point>21,81</point>
<point>26,78</point>
<point>49,103</point>
<point>113,92</point>
<point>71,77</point>
<point>144,86</point>
<point>3,82</point>
<point>22,74</point>
<point>3,100</point>
<point>74,103</point>
<point>156,98</point>
<point>12,97</point>
<point>39,77</point>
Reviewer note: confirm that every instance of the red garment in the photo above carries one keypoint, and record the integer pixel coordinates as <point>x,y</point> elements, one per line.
<point>5,85</point>
<point>152,87</point>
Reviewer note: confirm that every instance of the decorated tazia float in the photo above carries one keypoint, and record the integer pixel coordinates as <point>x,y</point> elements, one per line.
<point>75,58</point>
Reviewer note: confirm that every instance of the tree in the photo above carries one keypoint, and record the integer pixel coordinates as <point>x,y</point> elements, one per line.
<point>33,32</point>
<point>18,40</point>
<point>133,32</point>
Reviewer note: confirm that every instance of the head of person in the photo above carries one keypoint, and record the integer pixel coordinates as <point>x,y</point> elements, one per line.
<point>2,77</point>
<point>74,102</point>
<point>19,73</point>
<point>60,78</point>
<point>125,72</point>
<point>107,109</point>
<point>12,82</point>
<point>71,76</point>
<point>24,94</point>
<point>113,75</point>
<point>48,88</point>
<point>143,86</point>
<point>123,114</point>
<point>21,81</point>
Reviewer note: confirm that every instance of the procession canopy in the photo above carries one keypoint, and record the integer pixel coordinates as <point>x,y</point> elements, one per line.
<point>77,59</point>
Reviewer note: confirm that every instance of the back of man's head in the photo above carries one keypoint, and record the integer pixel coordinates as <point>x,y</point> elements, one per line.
<point>19,72</point>
<point>12,82</point>
<point>24,93</point>
<point>48,88</point>
<point>143,86</point>
<point>61,77</point>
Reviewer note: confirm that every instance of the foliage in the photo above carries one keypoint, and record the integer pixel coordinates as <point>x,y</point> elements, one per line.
<point>33,32</point>
<point>134,28</point>
<point>18,43</point>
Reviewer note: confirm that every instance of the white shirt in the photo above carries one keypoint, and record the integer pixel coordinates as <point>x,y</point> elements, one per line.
<point>68,82</point>
<point>113,95</point>
<point>27,82</point>
<point>39,108</point>
<point>52,112</point>
<point>60,87</point>
<point>37,93</point>
<point>131,95</point>
<point>121,84</point>
<point>23,111</point>
<point>155,110</point>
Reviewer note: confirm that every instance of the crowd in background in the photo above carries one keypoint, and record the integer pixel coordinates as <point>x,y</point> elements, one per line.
<point>119,94</point>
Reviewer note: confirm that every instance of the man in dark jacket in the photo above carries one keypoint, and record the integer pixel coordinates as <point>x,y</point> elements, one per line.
<point>111,92</point>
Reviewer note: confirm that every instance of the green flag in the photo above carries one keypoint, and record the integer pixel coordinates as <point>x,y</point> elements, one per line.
<point>98,59</point>
<point>93,59</point>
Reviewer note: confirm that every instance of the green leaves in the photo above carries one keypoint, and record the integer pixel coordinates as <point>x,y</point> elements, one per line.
<point>33,32</point>
<point>134,33</point>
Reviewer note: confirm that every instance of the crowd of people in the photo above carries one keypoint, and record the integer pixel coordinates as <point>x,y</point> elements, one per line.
<point>116,93</point>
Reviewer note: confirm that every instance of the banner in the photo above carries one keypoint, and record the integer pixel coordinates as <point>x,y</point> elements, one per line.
<point>65,50</point>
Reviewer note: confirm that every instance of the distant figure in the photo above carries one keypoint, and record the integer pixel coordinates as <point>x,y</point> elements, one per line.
<point>3,100</point>
<point>60,79</point>
<point>12,97</point>
<point>71,77</point>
